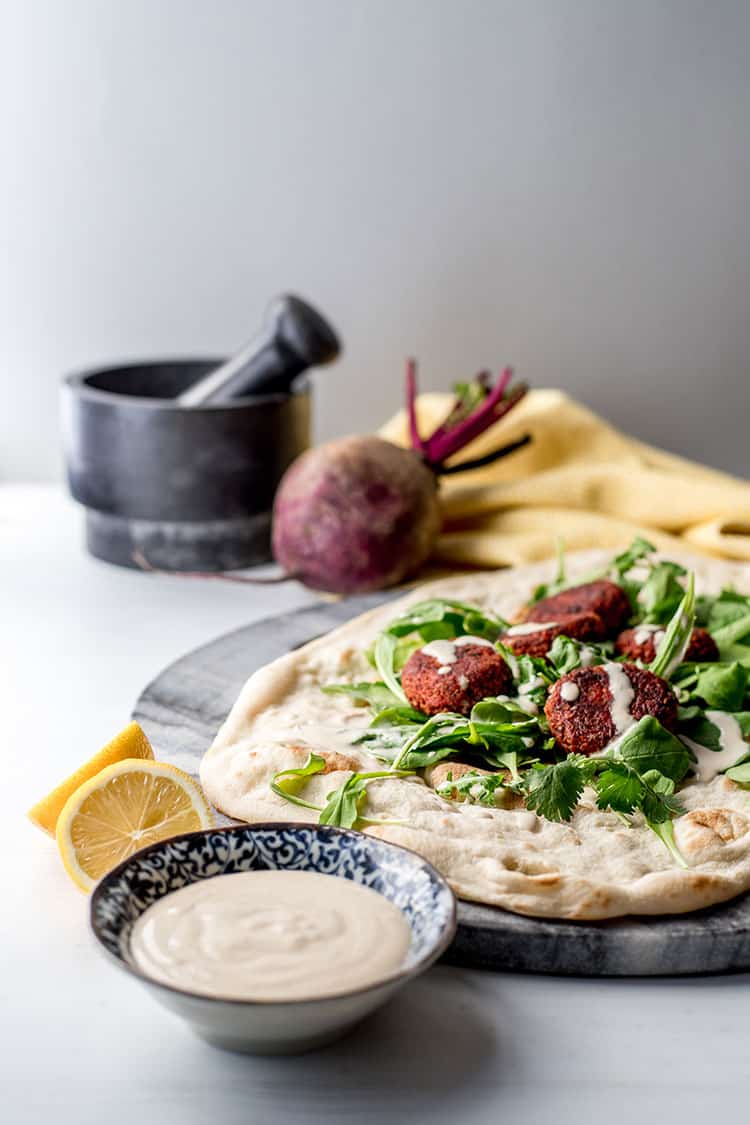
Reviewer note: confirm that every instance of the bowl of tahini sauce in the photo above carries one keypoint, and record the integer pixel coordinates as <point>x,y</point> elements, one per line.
<point>273,938</point>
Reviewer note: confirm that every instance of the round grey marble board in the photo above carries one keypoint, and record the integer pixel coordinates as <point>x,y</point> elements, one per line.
<point>184,706</point>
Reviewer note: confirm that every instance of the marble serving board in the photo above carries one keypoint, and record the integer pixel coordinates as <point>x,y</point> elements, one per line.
<point>184,706</point>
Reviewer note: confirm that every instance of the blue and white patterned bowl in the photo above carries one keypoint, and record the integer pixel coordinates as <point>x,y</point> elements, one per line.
<point>267,1027</point>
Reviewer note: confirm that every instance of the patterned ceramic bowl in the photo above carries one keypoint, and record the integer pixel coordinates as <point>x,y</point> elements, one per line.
<point>266,1027</point>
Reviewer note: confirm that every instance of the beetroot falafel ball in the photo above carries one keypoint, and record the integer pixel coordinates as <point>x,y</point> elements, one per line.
<point>525,640</point>
<point>454,675</point>
<point>642,642</point>
<point>605,598</point>
<point>581,708</point>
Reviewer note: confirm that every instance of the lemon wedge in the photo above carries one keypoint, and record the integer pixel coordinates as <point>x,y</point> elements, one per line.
<point>123,808</point>
<point>131,742</point>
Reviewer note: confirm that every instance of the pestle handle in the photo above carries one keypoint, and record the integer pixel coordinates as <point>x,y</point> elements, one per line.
<point>294,337</point>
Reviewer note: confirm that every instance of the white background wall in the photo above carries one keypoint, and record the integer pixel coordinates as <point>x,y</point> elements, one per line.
<point>564,185</point>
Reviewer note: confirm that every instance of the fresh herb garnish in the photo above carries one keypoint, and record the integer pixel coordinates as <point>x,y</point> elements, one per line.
<point>384,652</point>
<point>661,593</point>
<point>477,788</point>
<point>343,806</point>
<point>722,687</point>
<point>376,693</point>
<point>554,791</point>
<point>639,776</point>
<point>674,644</point>
<point>568,654</point>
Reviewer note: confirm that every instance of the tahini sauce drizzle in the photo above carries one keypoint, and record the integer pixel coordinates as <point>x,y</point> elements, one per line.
<point>621,690</point>
<point>445,651</point>
<point>271,935</point>
<point>528,627</point>
<point>733,746</point>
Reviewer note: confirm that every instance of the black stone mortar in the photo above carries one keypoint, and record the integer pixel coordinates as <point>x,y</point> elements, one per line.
<point>182,489</point>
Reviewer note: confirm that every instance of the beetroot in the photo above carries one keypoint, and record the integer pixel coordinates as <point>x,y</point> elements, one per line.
<point>360,513</point>
<point>355,514</point>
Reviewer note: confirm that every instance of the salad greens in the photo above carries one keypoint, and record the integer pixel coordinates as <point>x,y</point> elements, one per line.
<point>343,806</point>
<point>677,636</point>
<point>506,741</point>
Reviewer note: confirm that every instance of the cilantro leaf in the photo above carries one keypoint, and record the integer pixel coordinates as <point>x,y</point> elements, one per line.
<point>619,789</point>
<point>553,791</point>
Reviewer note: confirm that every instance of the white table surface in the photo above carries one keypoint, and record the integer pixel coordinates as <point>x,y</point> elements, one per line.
<point>83,1043</point>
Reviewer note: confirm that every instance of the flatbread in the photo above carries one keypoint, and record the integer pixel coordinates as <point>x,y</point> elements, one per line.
<point>591,868</point>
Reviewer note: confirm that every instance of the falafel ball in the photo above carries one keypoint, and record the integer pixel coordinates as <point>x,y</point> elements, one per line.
<point>580,706</point>
<point>642,642</point>
<point>526,640</point>
<point>454,675</point>
<point>603,597</point>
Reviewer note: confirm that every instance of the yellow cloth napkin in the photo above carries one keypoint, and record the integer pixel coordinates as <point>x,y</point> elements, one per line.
<point>581,480</point>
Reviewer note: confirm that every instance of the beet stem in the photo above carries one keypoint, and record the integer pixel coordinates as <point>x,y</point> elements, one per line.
<point>490,411</point>
<point>479,462</point>
<point>455,409</point>
<point>411,404</point>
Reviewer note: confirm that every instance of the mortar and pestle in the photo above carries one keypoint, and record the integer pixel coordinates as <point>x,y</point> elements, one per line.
<point>177,462</point>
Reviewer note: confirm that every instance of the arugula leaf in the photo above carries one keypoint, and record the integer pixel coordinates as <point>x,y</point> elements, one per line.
<point>567,654</point>
<point>722,686</point>
<point>376,693</point>
<point>664,829</point>
<point>727,636</point>
<point>661,593</point>
<point>553,791</point>
<point>649,746</point>
<point>695,726</point>
<point>740,775</point>
<point>399,715</point>
<point>623,563</point>
<point>444,617</point>
<point>725,609</point>
<point>673,645</point>
<point>287,783</point>
<point>384,652</point>
<point>477,788</point>
<point>343,805</point>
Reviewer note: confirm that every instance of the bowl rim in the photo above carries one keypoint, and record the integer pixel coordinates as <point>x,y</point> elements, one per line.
<point>429,958</point>
<point>77,383</point>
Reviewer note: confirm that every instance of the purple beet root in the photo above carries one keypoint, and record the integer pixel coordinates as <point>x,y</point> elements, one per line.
<point>355,514</point>
<point>361,513</point>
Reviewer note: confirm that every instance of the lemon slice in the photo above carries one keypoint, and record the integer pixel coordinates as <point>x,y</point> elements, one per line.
<point>129,743</point>
<point>125,807</point>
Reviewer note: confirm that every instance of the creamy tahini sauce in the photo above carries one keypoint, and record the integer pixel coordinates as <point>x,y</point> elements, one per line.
<point>570,692</point>
<point>271,935</point>
<point>733,746</point>
<point>445,651</point>
<point>621,690</point>
<point>529,627</point>
<point>645,633</point>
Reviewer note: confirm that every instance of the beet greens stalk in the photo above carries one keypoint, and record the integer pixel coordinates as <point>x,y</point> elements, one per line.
<point>463,424</point>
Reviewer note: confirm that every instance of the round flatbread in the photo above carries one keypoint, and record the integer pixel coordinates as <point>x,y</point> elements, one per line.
<point>593,867</point>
